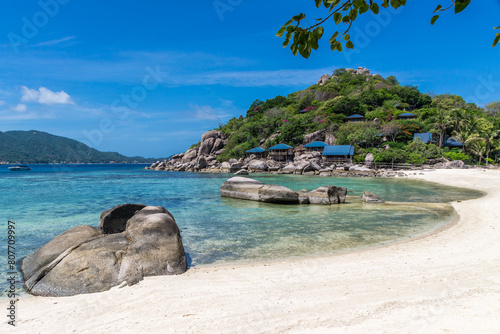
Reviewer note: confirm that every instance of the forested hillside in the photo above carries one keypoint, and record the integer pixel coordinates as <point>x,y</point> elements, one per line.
<point>326,105</point>
<point>41,147</point>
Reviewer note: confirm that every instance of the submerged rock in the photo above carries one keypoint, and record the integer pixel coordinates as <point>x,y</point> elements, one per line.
<point>369,197</point>
<point>250,189</point>
<point>85,259</point>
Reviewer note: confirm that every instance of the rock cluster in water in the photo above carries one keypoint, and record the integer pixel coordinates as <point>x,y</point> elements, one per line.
<point>132,241</point>
<point>254,190</point>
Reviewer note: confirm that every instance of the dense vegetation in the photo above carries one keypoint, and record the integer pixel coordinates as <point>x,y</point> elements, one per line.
<point>380,101</point>
<point>41,147</point>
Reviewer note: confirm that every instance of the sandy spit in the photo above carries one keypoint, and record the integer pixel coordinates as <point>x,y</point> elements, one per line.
<point>447,282</point>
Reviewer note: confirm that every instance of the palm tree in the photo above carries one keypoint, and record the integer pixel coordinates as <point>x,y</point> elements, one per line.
<point>478,147</point>
<point>442,122</point>
<point>466,130</point>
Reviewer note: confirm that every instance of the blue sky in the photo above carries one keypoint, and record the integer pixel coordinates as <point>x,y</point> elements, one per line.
<point>149,78</point>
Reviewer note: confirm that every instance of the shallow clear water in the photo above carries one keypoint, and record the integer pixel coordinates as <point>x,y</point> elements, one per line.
<point>50,199</point>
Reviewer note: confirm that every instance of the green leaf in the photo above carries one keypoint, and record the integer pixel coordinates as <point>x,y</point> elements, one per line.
<point>287,39</point>
<point>497,27</point>
<point>318,3</point>
<point>334,37</point>
<point>460,5</point>
<point>434,19</point>
<point>497,39</point>
<point>437,8</point>
<point>385,4</point>
<point>281,31</point>
<point>374,8</point>
<point>346,37</point>
<point>318,32</point>
<point>337,17</point>
<point>299,17</point>
<point>349,45</point>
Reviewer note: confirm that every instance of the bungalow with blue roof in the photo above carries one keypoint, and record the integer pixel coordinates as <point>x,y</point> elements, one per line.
<point>355,118</point>
<point>425,137</point>
<point>338,153</point>
<point>452,142</point>
<point>315,146</point>
<point>259,152</point>
<point>407,115</point>
<point>281,152</point>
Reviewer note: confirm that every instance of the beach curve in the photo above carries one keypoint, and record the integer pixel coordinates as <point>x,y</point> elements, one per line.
<point>446,282</point>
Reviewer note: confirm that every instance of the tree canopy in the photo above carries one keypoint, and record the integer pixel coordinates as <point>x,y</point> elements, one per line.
<point>305,36</point>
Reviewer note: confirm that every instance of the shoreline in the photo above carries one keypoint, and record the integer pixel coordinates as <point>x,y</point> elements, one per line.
<point>442,281</point>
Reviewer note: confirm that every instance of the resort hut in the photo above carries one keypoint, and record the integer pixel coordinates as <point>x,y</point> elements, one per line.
<point>355,118</point>
<point>452,142</point>
<point>425,137</point>
<point>281,152</point>
<point>315,146</point>
<point>407,115</point>
<point>259,152</point>
<point>338,153</point>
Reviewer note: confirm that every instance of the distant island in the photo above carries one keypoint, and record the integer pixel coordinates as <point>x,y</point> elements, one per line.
<point>40,147</point>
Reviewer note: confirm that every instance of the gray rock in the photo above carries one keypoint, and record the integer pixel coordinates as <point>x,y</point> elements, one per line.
<point>85,260</point>
<point>324,78</point>
<point>314,136</point>
<point>189,155</point>
<point>210,134</point>
<point>235,167</point>
<point>206,146</point>
<point>257,165</point>
<point>218,144</point>
<point>369,159</point>
<point>358,168</point>
<point>250,189</point>
<point>369,197</point>
<point>226,165</point>
<point>327,195</point>
<point>241,172</point>
<point>48,253</point>
<point>115,219</point>
<point>201,162</point>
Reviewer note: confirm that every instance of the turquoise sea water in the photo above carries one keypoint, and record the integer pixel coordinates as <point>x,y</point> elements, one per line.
<point>50,199</point>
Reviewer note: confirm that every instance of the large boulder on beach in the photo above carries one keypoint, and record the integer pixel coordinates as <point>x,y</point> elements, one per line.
<point>85,259</point>
<point>115,219</point>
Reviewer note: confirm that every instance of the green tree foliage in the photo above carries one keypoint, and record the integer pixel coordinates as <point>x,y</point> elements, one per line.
<point>287,119</point>
<point>304,37</point>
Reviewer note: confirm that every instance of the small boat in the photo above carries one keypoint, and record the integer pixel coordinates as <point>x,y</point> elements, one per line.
<point>18,168</point>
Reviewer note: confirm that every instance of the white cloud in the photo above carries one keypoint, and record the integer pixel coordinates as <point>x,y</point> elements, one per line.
<point>205,112</point>
<point>45,96</point>
<point>20,107</point>
<point>56,41</point>
<point>2,102</point>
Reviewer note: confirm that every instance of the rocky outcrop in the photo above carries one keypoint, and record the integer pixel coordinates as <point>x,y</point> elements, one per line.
<point>324,79</point>
<point>86,259</point>
<point>314,136</point>
<point>369,197</point>
<point>250,189</point>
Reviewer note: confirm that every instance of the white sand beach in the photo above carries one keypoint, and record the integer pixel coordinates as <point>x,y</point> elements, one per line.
<point>446,282</point>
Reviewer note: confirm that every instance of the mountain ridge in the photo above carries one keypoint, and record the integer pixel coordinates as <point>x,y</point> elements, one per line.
<point>35,146</point>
